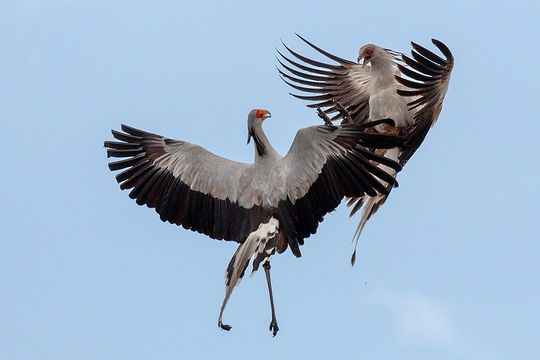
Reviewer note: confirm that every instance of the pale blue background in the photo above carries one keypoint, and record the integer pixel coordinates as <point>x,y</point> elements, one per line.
<point>448,269</point>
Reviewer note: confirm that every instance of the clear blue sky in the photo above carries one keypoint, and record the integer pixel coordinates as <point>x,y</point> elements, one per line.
<point>448,269</point>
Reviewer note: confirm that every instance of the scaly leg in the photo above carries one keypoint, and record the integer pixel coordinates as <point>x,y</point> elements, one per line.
<point>325,117</point>
<point>344,112</point>
<point>273,325</point>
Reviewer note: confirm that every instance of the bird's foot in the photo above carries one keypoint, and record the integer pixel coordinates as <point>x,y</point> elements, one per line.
<point>274,328</point>
<point>345,114</point>
<point>325,117</point>
<point>224,326</point>
<point>388,124</point>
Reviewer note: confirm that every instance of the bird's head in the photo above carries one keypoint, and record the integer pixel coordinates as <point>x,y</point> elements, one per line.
<point>256,116</point>
<point>260,114</point>
<point>368,53</point>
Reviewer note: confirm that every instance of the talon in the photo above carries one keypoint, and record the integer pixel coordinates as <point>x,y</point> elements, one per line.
<point>325,117</point>
<point>343,111</point>
<point>273,325</point>
<point>224,326</point>
<point>274,328</point>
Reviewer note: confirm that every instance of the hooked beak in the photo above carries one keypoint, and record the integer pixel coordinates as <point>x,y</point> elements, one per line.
<point>265,115</point>
<point>367,59</point>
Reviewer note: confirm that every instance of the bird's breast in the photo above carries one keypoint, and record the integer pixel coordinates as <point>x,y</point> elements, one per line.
<point>387,104</point>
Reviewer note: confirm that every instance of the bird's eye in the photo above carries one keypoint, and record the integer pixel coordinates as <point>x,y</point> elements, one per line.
<point>259,114</point>
<point>369,51</point>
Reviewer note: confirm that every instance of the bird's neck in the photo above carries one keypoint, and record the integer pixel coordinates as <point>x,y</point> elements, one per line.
<point>263,149</point>
<point>382,71</point>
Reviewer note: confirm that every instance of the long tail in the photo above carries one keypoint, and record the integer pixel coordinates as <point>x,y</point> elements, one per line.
<point>370,204</point>
<point>260,245</point>
<point>370,208</point>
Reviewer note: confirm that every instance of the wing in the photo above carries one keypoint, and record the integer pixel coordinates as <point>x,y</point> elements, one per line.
<point>186,184</point>
<point>338,164</point>
<point>346,83</point>
<point>431,75</point>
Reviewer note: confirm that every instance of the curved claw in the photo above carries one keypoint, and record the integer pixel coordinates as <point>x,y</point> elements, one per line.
<point>274,328</point>
<point>325,117</point>
<point>344,112</point>
<point>374,123</point>
<point>224,326</point>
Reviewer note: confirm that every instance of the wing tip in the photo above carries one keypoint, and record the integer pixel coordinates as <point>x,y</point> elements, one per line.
<point>443,48</point>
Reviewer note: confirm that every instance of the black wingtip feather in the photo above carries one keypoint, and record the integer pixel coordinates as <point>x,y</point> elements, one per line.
<point>310,61</point>
<point>132,131</point>
<point>125,137</point>
<point>444,49</point>
<point>425,61</point>
<point>123,152</point>
<point>419,67</point>
<point>120,145</point>
<point>327,54</point>
<point>430,55</point>
<point>411,84</point>
<point>117,165</point>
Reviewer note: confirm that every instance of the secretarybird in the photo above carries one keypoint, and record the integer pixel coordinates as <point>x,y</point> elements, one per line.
<point>267,206</point>
<point>408,90</point>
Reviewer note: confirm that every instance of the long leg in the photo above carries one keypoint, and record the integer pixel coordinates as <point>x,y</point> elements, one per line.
<point>344,112</point>
<point>261,245</point>
<point>273,325</point>
<point>325,117</point>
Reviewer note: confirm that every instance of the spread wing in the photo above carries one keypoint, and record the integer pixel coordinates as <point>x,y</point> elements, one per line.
<point>325,164</point>
<point>430,76</point>
<point>346,82</point>
<point>186,184</point>
<point>190,186</point>
<point>424,78</point>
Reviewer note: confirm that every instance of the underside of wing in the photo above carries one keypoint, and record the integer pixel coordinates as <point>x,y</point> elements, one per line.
<point>426,77</point>
<point>323,84</point>
<point>186,184</point>
<point>341,163</point>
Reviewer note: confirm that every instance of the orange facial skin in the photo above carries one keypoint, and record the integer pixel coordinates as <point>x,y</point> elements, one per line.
<point>261,113</point>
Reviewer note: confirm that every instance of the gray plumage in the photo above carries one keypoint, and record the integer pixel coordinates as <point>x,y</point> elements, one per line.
<point>409,91</point>
<point>285,196</point>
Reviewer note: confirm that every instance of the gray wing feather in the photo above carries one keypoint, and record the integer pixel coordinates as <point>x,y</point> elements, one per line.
<point>186,184</point>
<point>203,170</point>
<point>429,79</point>
<point>306,157</point>
<point>314,147</point>
<point>348,83</point>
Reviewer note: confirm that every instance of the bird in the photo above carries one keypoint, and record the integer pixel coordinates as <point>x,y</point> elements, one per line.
<point>408,90</point>
<point>266,206</point>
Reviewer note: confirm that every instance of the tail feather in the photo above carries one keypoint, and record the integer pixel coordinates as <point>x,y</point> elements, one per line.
<point>371,204</point>
<point>260,245</point>
<point>370,208</point>
<point>359,202</point>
